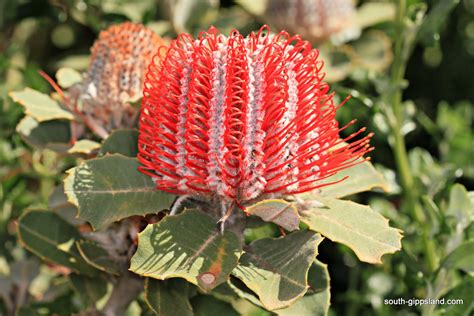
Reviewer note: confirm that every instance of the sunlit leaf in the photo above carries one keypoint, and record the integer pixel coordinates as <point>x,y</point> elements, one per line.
<point>40,106</point>
<point>357,226</point>
<point>67,77</point>
<point>361,177</point>
<point>254,7</point>
<point>280,212</point>
<point>189,246</point>
<point>83,146</point>
<point>375,12</point>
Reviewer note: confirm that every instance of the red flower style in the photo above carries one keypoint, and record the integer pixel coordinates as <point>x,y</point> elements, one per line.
<point>240,117</point>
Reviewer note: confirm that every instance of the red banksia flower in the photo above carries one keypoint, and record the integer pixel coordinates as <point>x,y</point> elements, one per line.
<point>119,60</point>
<point>240,117</point>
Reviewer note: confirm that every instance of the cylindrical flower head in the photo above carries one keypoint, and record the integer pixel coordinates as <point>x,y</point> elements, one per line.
<point>316,20</point>
<point>119,60</point>
<point>240,117</point>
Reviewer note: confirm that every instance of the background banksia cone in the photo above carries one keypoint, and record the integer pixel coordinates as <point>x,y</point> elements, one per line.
<point>241,117</point>
<point>116,73</point>
<point>315,20</point>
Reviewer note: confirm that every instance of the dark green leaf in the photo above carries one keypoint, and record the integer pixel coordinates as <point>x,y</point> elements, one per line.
<point>52,239</point>
<point>276,269</point>
<point>111,188</point>
<point>432,25</point>
<point>97,257</point>
<point>54,135</point>
<point>59,204</point>
<point>463,292</point>
<point>206,305</point>
<point>121,141</point>
<point>461,258</point>
<point>188,246</point>
<point>165,299</point>
<point>90,289</point>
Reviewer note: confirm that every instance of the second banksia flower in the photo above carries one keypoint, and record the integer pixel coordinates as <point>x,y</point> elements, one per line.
<point>241,117</point>
<point>115,76</point>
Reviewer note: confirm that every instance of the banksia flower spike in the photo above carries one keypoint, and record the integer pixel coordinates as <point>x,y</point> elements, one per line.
<point>241,117</point>
<point>115,77</point>
<point>316,20</point>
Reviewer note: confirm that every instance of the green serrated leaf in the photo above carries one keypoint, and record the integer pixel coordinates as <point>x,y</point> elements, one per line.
<point>461,258</point>
<point>83,146</point>
<point>317,300</point>
<point>361,177</point>
<point>67,77</point>
<point>51,238</point>
<point>276,269</point>
<point>40,106</point>
<point>166,300</point>
<point>187,246</point>
<point>280,212</point>
<point>97,257</point>
<point>357,226</point>
<point>54,135</point>
<point>121,141</point>
<point>90,289</point>
<point>111,188</point>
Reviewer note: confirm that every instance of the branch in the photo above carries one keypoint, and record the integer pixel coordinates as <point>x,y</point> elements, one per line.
<point>125,291</point>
